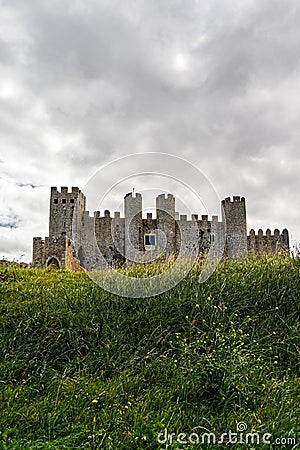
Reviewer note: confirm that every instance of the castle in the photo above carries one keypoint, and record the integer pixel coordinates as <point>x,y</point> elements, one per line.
<point>78,241</point>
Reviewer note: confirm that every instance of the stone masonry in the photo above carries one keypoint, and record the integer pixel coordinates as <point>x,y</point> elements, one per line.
<point>78,241</point>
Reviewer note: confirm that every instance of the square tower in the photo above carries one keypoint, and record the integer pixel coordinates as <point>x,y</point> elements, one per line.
<point>133,207</point>
<point>234,218</point>
<point>165,217</point>
<point>63,206</point>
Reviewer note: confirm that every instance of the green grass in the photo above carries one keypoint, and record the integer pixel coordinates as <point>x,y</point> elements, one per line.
<point>81,368</point>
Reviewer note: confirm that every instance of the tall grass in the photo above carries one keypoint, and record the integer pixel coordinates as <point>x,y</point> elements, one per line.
<point>81,368</point>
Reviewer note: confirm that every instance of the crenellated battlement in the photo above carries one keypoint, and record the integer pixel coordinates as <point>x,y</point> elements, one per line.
<point>266,242</point>
<point>165,196</point>
<point>133,195</point>
<point>129,238</point>
<point>235,199</point>
<point>65,190</point>
<point>195,218</point>
<point>164,201</point>
<point>116,215</point>
<point>267,233</point>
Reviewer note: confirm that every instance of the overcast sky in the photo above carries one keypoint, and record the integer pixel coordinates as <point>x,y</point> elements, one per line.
<point>83,82</point>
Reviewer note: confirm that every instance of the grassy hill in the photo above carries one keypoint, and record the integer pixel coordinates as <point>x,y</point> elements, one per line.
<point>81,368</point>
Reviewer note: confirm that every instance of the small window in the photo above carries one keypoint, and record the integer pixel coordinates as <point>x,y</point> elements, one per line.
<point>212,238</point>
<point>55,201</point>
<point>64,200</point>
<point>71,200</point>
<point>149,239</point>
<point>64,225</point>
<point>63,234</point>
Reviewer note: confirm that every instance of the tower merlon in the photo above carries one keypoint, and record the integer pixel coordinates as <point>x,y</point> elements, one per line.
<point>86,214</point>
<point>135,195</point>
<point>226,200</point>
<point>65,190</point>
<point>235,199</point>
<point>164,196</point>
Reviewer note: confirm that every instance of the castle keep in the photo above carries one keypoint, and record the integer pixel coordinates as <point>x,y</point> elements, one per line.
<point>79,241</point>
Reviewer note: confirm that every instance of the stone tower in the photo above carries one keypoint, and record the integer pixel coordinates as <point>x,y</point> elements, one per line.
<point>63,206</point>
<point>57,249</point>
<point>234,218</point>
<point>133,226</point>
<point>165,217</point>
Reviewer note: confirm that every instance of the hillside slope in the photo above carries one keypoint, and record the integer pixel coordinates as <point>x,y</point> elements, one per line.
<point>81,368</point>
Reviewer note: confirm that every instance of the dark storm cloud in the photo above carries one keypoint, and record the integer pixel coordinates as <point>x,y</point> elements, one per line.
<point>217,82</point>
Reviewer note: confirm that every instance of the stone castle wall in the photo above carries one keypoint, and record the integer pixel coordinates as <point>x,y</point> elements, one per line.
<point>77,240</point>
<point>261,243</point>
<point>57,252</point>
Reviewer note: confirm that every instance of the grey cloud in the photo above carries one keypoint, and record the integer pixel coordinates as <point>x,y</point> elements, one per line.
<point>33,186</point>
<point>216,82</point>
<point>11,220</point>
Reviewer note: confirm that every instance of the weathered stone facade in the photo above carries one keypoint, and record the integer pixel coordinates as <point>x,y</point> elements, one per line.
<point>79,241</point>
<point>271,243</point>
<point>234,217</point>
<point>54,251</point>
